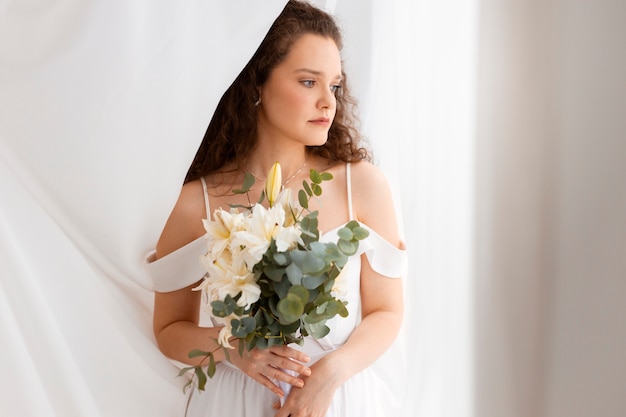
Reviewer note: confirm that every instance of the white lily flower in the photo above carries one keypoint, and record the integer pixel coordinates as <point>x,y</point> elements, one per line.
<point>225,279</point>
<point>255,238</point>
<point>288,238</point>
<point>289,208</point>
<point>221,229</point>
<point>340,289</point>
<point>225,334</point>
<point>273,183</point>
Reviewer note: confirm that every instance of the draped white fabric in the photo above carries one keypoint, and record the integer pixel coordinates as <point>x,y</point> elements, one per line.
<point>102,108</point>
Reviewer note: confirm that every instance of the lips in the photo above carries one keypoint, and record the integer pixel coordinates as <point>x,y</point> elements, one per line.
<point>323,121</point>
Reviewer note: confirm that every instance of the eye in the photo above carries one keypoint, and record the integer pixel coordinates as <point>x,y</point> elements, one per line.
<point>308,83</point>
<point>335,88</point>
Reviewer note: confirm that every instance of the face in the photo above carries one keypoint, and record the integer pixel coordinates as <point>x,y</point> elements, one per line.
<point>298,100</point>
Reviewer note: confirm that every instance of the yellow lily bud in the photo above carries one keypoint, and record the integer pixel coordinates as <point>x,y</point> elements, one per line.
<point>273,183</point>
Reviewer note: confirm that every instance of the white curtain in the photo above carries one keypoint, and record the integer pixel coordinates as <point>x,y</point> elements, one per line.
<point>102,107</point>
<point>550,278</point>
<point>499,124</point>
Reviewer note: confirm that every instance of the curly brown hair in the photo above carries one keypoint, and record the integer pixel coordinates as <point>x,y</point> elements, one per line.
<point>231,133</point>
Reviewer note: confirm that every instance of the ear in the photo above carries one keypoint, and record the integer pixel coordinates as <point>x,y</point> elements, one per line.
<point>257,98</point>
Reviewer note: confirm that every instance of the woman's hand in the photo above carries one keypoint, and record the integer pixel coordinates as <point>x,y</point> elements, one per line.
<point>266,365</point>
<point>315,397</point>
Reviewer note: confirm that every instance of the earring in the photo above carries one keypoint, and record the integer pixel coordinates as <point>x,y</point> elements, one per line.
<point>256,103</point>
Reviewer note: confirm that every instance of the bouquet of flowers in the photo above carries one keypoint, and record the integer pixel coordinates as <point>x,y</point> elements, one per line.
<point>270,281</point>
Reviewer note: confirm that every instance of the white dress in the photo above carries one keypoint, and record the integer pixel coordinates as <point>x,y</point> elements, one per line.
<point>232,393</point>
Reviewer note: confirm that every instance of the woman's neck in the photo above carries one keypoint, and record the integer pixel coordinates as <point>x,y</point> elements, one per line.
<point>292,161</point>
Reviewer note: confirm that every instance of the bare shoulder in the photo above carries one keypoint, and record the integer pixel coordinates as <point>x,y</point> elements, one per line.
<point>366,175</point>
<point>185,221</point>
<point>372,199</point>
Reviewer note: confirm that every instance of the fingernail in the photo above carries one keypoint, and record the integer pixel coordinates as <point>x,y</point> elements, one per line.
<point>299,383</point>
<point>307,372</point>
<point>306,359</point>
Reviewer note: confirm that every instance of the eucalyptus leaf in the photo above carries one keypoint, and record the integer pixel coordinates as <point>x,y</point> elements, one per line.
<point>352,224</point>
<point>281,287</point>
<point>307,188</point>
<point>281,258</point>
<point>298,256</point>
<point>274,341</point>
<point>259,318</point>
<point>196,353</point>
<point>347,247</point>
<point>202,378</point>
<point>252,343</point>
<point>249,323</point>
<point>360,233</point>
<point>317,190</point>
<point>273,327</point>
<point>345,233</point>
<point>310,282</point>
<point>274,273</point>
<point>315,176</point>
<point>334,307</point>
<point>219,308</point>
<point>294,274</point>
<point>290,328</point>
<point>238,206</point>
<point>211,368</point>
<point>312,264</point>
<point>185,370</point>
<point>319,249</point>
<point>242,328</point>
<point>300,292</point>
<point>322,298</point>
<point>317,330</point>
<point>248,182</point>
<point>290,309</point>
<point>303,199</point>
<point>292,339</point>
<point>271,302</point>
<point>269,319</point>
<point>330,283</point>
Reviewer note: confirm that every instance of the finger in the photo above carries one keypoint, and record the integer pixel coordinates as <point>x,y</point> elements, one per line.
<point>267,383</point>
<point>276,405</point>
<point>290,364</point>
<point>280,375</point>
<point>288,352</point>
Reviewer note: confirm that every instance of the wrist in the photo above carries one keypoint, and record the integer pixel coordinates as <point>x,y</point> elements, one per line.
<point>335,367</point>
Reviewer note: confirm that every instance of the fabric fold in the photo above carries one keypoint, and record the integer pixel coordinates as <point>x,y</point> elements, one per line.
<point>384,258</point>
<point>178,269</point>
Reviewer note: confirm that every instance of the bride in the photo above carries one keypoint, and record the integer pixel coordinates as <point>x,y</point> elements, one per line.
<point>289,104</point>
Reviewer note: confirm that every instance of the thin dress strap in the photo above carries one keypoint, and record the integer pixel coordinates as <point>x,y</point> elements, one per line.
<point>206,198</point>
<point>349,187</point>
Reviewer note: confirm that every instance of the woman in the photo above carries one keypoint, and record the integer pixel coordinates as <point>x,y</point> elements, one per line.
<point>289,104</point>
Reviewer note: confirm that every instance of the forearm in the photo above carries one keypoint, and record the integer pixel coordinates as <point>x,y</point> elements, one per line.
<point>371,338</point>
<point>179,338</point>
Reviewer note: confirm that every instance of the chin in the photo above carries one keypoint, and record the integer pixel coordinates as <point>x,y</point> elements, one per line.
<point>320,142</point>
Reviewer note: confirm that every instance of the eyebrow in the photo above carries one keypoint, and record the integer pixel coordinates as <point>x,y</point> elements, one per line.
<point>315,72</point>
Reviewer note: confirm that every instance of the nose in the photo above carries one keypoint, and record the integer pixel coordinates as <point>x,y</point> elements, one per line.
<point>327,99</point>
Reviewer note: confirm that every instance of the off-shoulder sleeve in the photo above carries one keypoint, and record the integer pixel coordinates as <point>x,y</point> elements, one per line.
<point>178,269</point>
<point>384,258</point>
